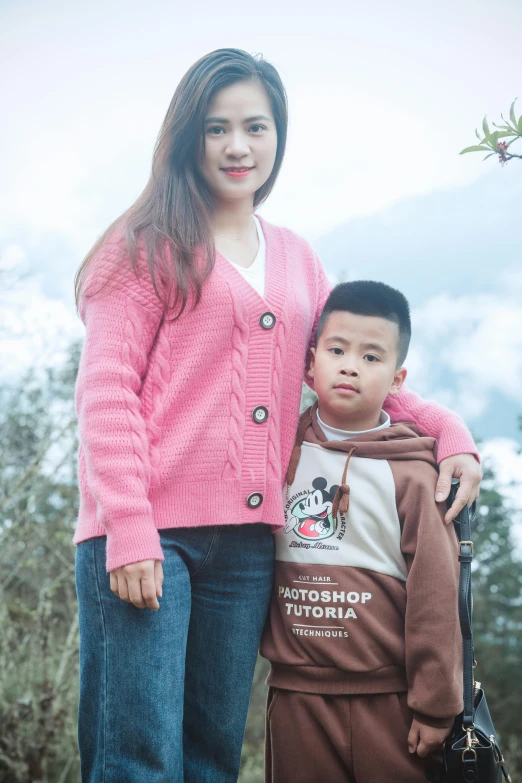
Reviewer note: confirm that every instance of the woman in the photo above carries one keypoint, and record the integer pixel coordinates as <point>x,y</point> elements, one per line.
<point>198,315</point>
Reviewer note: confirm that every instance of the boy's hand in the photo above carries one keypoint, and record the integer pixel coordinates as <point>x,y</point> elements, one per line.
<point>139,583</point>
<point>466,468</point>
<point>425,739</point>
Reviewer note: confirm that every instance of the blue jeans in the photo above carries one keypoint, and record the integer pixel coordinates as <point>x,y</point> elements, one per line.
<point>164,695</point>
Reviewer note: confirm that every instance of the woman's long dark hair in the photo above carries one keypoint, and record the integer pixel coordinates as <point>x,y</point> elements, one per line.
<point>171,219</point>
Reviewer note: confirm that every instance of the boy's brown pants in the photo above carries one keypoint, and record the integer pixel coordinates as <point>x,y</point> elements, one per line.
<point>312,738</point>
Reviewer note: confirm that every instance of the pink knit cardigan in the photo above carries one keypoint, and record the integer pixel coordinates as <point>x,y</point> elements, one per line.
<point>192,422</point>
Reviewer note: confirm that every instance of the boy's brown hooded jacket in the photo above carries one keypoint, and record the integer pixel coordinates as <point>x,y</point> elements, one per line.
<point>366,573</point>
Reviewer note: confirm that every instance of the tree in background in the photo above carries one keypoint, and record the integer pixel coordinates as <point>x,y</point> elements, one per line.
<point>38,612</point>
<point>497,617</point>
<point>491,142</point>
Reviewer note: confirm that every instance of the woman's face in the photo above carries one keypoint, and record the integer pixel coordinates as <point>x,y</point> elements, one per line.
<point>240,142</point>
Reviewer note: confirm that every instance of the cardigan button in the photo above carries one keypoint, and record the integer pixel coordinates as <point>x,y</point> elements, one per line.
<point>254,500</point>
<point>260,414</point>
<point>267,320</point>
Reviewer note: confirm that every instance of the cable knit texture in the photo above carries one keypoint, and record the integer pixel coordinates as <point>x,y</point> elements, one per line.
<point>165,409</point>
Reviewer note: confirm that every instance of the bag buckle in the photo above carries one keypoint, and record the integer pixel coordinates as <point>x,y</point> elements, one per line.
<point>466,543</point>
<point>470,741</point>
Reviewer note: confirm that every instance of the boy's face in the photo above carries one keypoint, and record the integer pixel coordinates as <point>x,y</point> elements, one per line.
<point>354,368</point>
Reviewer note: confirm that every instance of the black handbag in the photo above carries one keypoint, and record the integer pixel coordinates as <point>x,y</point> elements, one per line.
<point>471,751</point>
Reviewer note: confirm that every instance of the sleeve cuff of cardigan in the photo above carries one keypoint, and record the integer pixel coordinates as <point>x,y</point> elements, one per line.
<point>452,442</point>
<point>435,723</point>
<point>132,539</point>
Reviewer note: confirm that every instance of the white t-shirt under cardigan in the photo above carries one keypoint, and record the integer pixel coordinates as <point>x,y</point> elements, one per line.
<point>256,272</point>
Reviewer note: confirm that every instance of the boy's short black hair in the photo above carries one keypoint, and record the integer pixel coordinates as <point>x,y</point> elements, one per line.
<point>369,297</point>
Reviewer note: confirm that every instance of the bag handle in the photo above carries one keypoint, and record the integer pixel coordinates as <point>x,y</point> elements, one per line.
<point>462,525</point>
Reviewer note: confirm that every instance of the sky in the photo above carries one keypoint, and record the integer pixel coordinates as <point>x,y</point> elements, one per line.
<point>382,95</point>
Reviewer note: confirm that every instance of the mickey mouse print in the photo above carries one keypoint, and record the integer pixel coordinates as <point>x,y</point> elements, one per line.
<point>308,513</point>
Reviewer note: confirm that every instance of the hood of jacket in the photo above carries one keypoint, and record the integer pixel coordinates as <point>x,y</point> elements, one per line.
<point>400,441</point>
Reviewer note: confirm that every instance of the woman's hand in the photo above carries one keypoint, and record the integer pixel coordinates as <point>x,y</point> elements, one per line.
<point>424,739</point>
<point>139,583</point>
<point>466,468</point>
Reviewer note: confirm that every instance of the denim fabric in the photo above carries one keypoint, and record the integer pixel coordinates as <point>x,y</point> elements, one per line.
<point>164,695</point>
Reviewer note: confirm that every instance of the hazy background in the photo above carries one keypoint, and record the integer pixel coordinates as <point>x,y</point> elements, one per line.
<point>382,95</point>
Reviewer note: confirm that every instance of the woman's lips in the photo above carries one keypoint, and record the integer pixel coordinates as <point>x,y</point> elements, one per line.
<point>241,171</point>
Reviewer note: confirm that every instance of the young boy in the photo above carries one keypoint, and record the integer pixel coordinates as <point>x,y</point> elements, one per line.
<point>363,634</point>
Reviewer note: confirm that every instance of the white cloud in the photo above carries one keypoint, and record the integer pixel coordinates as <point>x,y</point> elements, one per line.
<point>371,119</point>
<point>475,340</point>
<point>36,331</point>
<point>12,259</point>
<point>504,456</point>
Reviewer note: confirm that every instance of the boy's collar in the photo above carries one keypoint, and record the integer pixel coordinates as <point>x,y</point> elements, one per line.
<point>318,431</point>
<point>400,441</point>
<point>336,433</point>
<point>402,438</point>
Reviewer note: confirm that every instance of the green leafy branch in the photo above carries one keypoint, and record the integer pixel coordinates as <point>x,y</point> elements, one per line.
<point>491,142</point>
